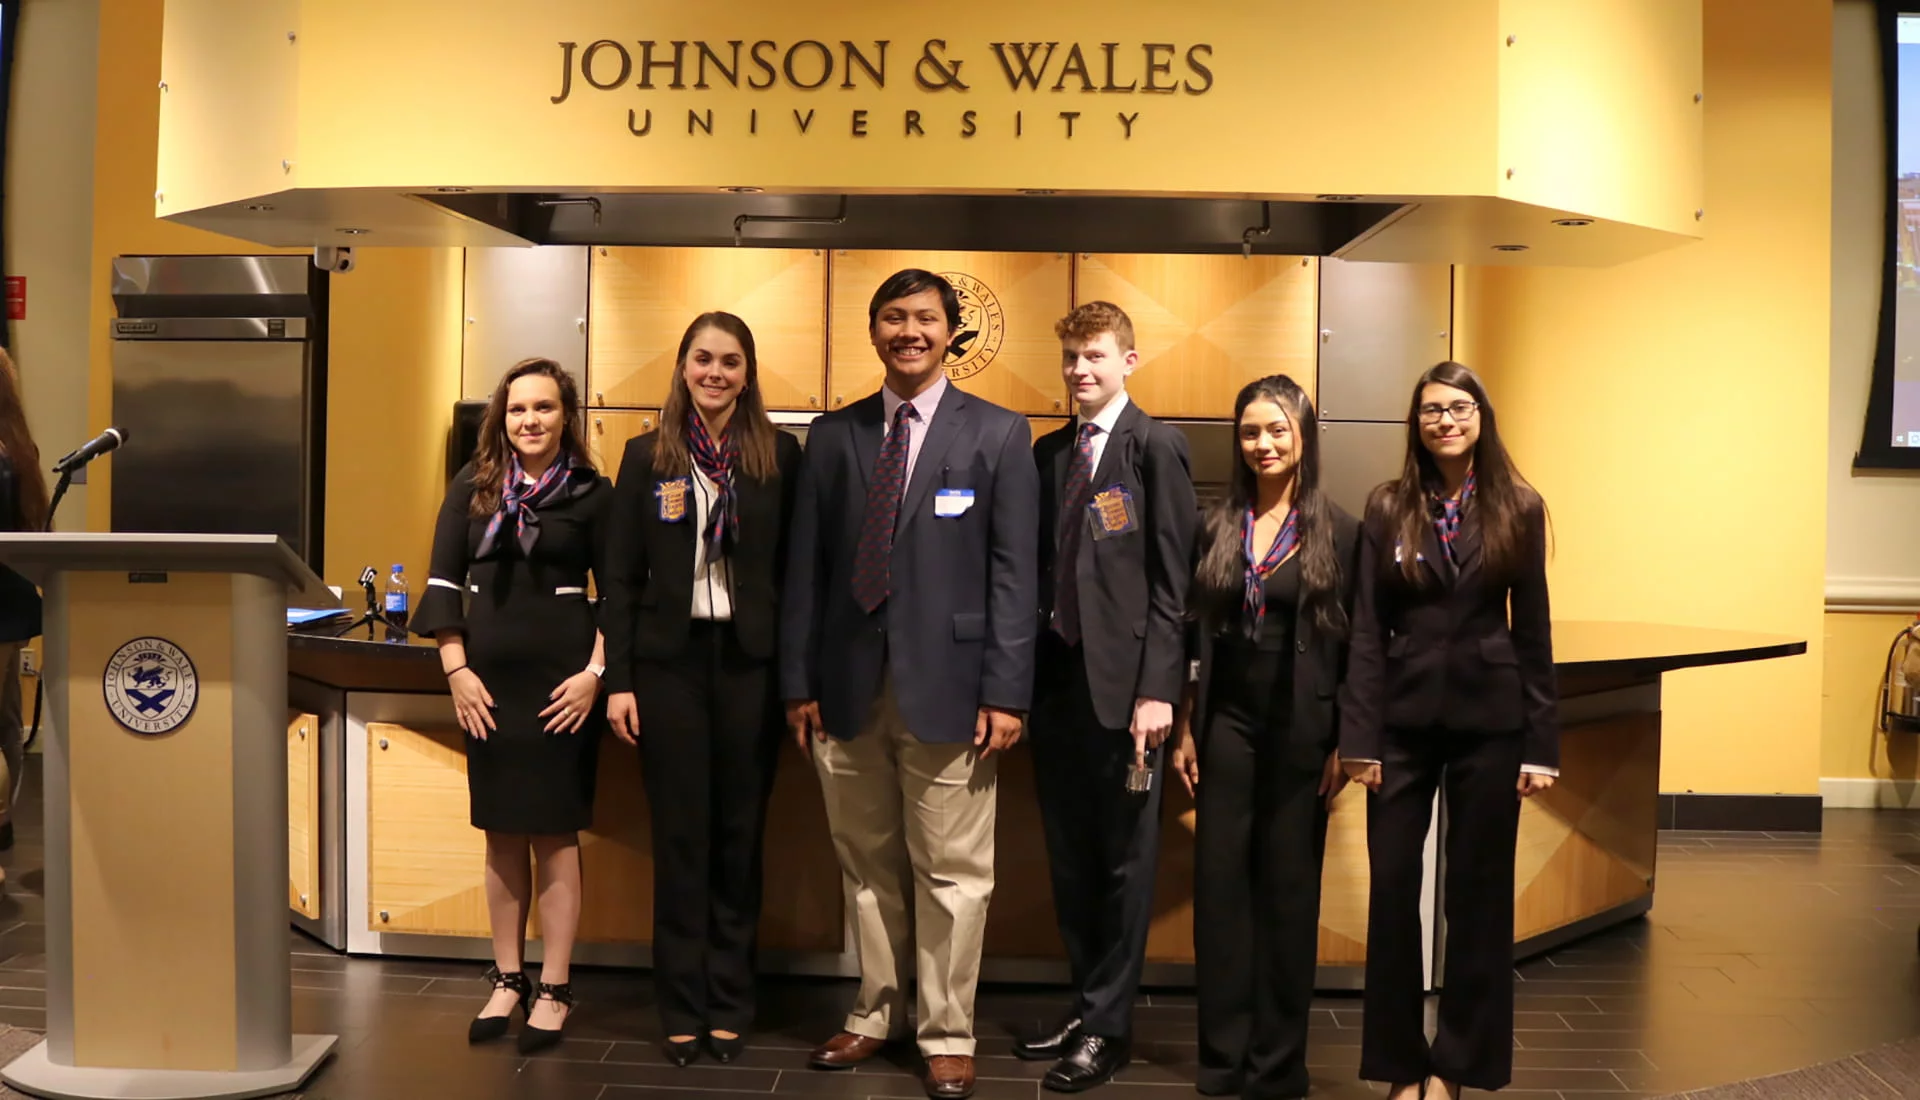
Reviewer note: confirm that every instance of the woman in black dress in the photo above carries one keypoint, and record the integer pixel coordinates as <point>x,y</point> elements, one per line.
<point>1271,598</point>
<point>693,597</point>
<point>1451,684</point>
<point>522,526</point>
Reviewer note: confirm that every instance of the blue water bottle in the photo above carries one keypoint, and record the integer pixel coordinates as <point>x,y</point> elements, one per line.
<point>396,606</point>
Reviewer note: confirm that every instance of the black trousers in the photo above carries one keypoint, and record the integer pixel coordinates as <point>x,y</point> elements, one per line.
<point>1473,1045</point>
<point>1102,843</point>
<point>708,741</point>
<point>1259,843</point>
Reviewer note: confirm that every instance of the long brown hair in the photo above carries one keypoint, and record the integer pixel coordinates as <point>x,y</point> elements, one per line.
<point>490,457</point>
<point>1220,578</point>
<point>1501,497</point>
<point>751,428</point>
<point>30,485</point>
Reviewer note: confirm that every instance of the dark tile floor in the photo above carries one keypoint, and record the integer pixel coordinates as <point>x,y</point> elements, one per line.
<point>1764,953</point>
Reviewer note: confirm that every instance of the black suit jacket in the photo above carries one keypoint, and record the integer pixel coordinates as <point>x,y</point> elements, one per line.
<point>1133,586</point>
<point>19,599</point>
<point>1445,655</point>
<point>649,583</point>
<point>957,633</point>
<point>1319,658</point>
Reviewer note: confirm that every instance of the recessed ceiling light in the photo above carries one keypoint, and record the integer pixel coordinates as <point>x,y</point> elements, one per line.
<point>1573,223</point>
<point>259,207</point>
<point>354,232</point>
<point>743,190</point>
<point>453,190</point>
<point>1509,248</point>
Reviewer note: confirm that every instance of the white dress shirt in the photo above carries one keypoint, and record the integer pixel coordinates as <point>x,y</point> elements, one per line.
<point>926,404</point>
<point>712,581</point>
<point>1102,428</point>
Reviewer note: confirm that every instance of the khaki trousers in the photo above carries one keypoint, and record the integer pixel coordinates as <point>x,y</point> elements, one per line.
<point>912,824</point>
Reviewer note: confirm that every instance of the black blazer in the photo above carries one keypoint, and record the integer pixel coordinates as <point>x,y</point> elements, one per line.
<point>957,633</point>
<point>1133,586</point>
<point>1319,658</point>
<point>1445,655</point>
<point>19,599</point>
<point>649,583</point>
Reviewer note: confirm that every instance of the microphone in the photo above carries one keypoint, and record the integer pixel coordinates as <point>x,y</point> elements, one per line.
<point>94,448</point>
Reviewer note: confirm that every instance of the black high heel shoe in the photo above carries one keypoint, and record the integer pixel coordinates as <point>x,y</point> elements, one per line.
<point>533,1039</point>
<point>725,1050</point>
<point>682,1053</point>
<point>487,1028</point>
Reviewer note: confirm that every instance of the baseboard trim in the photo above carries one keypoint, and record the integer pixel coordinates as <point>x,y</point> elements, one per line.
<point>1870,794</point>
<point>1742,813</point>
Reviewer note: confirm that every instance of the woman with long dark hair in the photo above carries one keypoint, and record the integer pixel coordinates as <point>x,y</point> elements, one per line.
<point>1450,685</point>
<point>1271,597</point>
<point>693,597</point>
<point>522,526</point>
<point>23,507</point>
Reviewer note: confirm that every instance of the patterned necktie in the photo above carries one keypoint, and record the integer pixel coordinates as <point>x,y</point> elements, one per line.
<point>1447,523</point>
<point>1066,542</point>
<point>873,558</point>
<point>1254,603</point>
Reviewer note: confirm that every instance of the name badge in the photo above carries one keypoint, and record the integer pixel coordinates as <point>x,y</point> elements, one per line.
<point>948,503</point>
<point>1111,513</point>
<point>672,496</point>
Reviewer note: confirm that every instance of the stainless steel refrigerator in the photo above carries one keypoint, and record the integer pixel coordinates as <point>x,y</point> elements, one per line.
<point>219,379</point>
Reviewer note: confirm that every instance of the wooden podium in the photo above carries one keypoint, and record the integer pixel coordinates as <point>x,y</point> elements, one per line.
<point>166,804</point>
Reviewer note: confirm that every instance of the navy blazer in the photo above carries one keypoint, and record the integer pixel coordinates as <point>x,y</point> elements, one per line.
<point>1446,655</point>
<point>1133,586</point>
<point>958,631</point>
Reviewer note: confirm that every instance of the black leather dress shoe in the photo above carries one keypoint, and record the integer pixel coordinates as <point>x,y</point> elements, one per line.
<point>1048,1045</point>
<point>1089,1060</point>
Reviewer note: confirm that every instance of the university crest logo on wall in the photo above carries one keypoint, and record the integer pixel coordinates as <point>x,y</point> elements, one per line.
<point>150,686</point>
<point>983,327</point>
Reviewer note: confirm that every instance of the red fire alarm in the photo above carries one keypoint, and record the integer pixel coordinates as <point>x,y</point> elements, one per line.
<point>16,297</point>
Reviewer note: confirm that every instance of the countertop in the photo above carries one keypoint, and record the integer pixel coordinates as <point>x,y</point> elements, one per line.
<point>1579,646</point>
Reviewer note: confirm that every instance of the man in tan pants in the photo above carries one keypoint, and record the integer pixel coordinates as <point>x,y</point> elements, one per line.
<point>907,642</point>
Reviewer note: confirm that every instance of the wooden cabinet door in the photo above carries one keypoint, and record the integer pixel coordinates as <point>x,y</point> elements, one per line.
<point>608,431</point>
<point>303,814</point>
<point>1207,325</point>
<point>1005,352</point>
<point>642,299</point>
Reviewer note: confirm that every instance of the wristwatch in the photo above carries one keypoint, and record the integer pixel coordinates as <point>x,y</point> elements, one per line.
<point>598,670</point>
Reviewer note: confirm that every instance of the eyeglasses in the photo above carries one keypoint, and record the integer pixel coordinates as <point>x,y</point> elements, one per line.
<point>1460,411</point>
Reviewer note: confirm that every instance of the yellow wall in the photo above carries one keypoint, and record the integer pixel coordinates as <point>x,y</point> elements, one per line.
<point>1673,410</point>
<point>395,330</point>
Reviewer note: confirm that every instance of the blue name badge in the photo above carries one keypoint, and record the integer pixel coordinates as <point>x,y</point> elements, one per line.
<point>952,502</point>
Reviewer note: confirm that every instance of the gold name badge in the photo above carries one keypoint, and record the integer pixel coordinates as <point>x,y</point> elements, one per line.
<point>673,500</point>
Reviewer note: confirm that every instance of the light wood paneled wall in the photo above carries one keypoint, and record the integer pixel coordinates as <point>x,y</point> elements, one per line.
<point>640,301</point>
<point>1204,325</point>
<point>609,430</point>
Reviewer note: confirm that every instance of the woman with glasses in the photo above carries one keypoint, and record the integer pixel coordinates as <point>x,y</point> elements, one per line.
<point>1450,684</point>
<point>1271,597</point>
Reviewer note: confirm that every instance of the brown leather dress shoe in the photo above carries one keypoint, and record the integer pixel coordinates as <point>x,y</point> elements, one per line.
<point>844,1051</point>
<point>949,1076</point>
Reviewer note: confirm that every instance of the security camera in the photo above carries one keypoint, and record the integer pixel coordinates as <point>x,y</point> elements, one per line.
<point>327,257</point>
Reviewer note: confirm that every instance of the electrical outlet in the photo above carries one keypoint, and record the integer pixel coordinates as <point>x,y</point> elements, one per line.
<point>29,662</point>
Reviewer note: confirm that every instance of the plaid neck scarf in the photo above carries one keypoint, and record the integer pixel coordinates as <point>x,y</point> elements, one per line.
<point>523,501</point>
<point>716,462</point>
<point>1447,523</point>
<point>1254,605</point>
